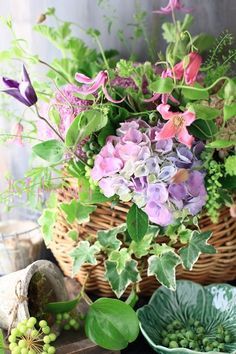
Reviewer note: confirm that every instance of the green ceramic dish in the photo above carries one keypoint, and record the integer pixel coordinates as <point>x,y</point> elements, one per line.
<point>212,305</point>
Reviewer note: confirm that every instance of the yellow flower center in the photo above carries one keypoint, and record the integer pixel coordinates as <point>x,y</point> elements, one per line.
<point>178,121</point>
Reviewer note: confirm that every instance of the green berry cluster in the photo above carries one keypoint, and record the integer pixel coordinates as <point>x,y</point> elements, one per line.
<point>30,337</point>
<point>213,190</point>
<point>91,148</point>
<point>194,336</point>
<point>68,320</point>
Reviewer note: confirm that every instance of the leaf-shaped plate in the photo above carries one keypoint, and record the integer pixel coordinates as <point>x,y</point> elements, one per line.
<point>212,305</point>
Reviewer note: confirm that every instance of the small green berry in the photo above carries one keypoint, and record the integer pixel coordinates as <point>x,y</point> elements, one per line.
<point>12,346</point>
<point>164,333</point>
<point>51,350</point>
<point>189,335</point>
<point>169,328</point>
<point>165,342</point>
<point>173,344</point>
<point>59,316</point>
<point>184,343</point>
<point>67,327</point>
<point>52,337</point>
<point>12,338</point>
<point>46,330</point>
<point>46,339</point>
<point>42,323</point>
<point>227,339</point>
<point>34,333</point>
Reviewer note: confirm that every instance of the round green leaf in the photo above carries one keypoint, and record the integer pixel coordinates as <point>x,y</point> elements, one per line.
<point>50,150</point>
<point>61,306</point>
<point>111,324</point>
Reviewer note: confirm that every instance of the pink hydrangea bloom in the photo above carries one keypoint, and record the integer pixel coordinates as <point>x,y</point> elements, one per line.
<point>176,125</point>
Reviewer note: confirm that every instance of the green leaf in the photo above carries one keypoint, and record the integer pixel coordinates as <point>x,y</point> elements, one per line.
<point>229,182</point>
<point>47,221</point>
<point>230,165</point>
<point>50,150</point>
<point>104,133</point>
<point>221,144</point>
<point>197,245</point>
<point>163,267</point>
<point>108,238</point>
<point>111,324</point>
<point>203,129</point>
<point>169,32</point>
<point>76,210</point>
<point>204,112</point>
<point>84,254</point>
<point>54,116</point>
<point>85,124</point>
<point>73,235</point>
<point>132,299</point>
<point>2,344</point>
<point>88,195</point>
<point>192,94</point>
<point>61,306</point>
<point>188,20</point>
<point>162,85</point>
<point>137,223</point>
<point>120,281</point>
<point>203,42</point>
<point>141,248</point>
<point>229,111</point>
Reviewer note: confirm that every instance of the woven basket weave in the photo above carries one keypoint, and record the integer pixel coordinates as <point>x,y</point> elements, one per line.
<point>219,267</point>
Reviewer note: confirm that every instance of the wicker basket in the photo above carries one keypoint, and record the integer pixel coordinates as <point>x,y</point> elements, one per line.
<point>219,267</point>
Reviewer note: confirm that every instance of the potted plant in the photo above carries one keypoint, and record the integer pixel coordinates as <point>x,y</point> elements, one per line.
<point>145,153</point>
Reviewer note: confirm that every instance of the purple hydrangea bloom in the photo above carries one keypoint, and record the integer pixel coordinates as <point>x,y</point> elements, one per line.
<point>138,168</point>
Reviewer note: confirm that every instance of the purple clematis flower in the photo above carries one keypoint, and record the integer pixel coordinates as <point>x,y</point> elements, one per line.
<point>94,84</point>
<point>22,91</point>
<point>171,6</point>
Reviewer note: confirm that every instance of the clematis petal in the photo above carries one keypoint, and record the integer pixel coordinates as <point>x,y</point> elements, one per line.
<point>185,138</point>
<point>108,97</point>
<point>9,83</point>
<point>25,75</point>
<point>83,79</point>
<point>191,72</point>
<point>17,95</point>
<point>153,98</point>
<point>28,92</point>
<point>163,109</point>
<point>168,131</point>
<point>189,117</point>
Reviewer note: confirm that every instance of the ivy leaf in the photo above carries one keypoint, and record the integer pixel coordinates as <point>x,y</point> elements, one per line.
<point>50,150</point>
<point>162,85</point>
<point>108,238</point>
<point>204,112</point>
<point>197,245</point>
<point>203,129</point>
<point>73,234</point>
<point>83,125</point>
<point>141,248</point>
<point>163,267</point>
<point>137,223</point>
<point>229,111</point>
<point>120,281</point>
<point>221,144</point>
<point>84,254</point>
<point>76,210</point>
<point>112,324</point>
<point>121,258</point>
<point>47,221</point>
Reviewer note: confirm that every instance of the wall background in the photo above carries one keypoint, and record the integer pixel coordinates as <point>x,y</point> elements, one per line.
<point>212,16</point>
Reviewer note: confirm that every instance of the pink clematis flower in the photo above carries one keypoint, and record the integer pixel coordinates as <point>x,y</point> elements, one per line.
<point>94,84</point>
<point>171,6</point>
<point>176,125</point>
<point>190,72</point>
<point>17,132</point>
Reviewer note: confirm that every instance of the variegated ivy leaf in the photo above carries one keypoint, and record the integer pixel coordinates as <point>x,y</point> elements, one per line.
<point>84,254</point>
<point>164,268</point>
<point>108,238</point>
<point>76,210</point>
<point>197,245</point>
<point>120,281</point>
<point>140,249</point>
<point>120,258</point>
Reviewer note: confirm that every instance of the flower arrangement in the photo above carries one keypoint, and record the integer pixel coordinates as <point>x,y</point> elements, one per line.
<point>159,136</point>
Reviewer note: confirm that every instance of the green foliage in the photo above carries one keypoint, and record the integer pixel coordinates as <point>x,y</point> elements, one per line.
<point>73,234</point>
<point>61,306</point>
<point>229,111</point>
<point>85,124</point>
<point>230,165</point>
<point>111,324</point>
<point>197,245</point>
<point>162,85</point>
<point>108,238</point>
<point>204,112</point>
<point>50,150</point>
<point>190,93</point>
<point>203,129</point>
<point>213,190</point>
<point>88,195</point>
<point>2,345</point>
<point>163,267</point>
<point>137,223</point>
<point>84,253</point>
<point>48,219</point>
<point>221,144</point>
<point>76,210</point>
<point>121,271</point>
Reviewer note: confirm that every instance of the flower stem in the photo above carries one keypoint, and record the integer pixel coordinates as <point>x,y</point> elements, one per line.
<point>49,124</point>
<point>102,52</point>
<point>204,88</point>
